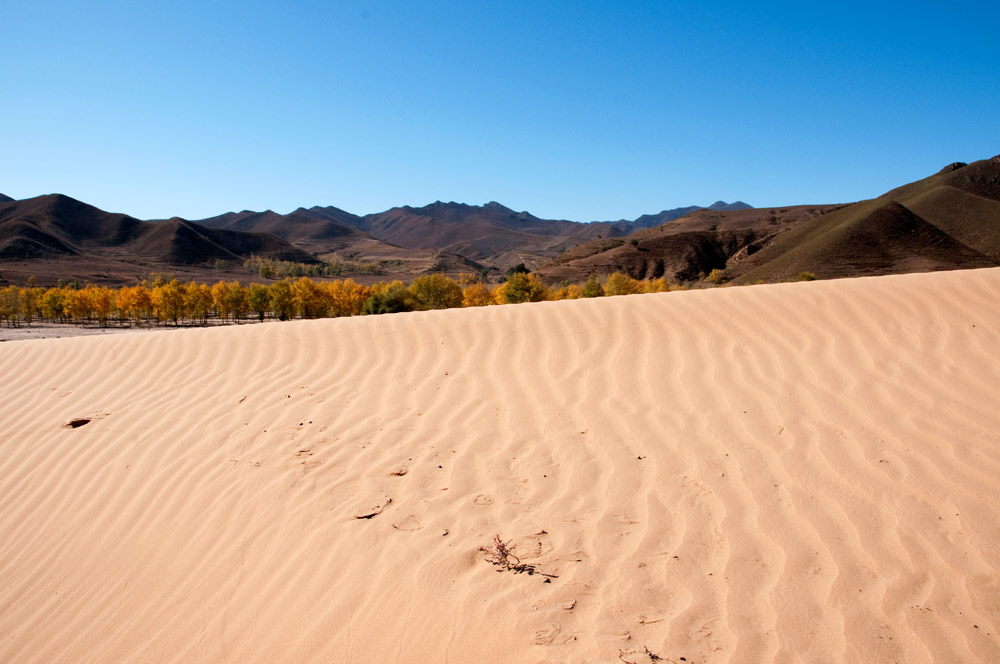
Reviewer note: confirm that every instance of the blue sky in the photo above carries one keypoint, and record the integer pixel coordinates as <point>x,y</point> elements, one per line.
<point>573,110</point>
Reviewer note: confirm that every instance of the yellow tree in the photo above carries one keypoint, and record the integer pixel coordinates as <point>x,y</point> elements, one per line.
<point>436,291</point>
<point>77,304</point>
<point>198,301</point>
<point>220,299</point>
<point>621,284</point>
<point>658,285</point>
<point>30,302</point>
<point>135,302</point>
<point>281,299</point>
<point>309,300</point>
<point>168,301</point>
<point>477,295</point>
<point>10,305</point>
<point>347,298</point>
<point>101,302</point>
<point>237,300</point>
<point>567,292</point>
<point>51,304</point>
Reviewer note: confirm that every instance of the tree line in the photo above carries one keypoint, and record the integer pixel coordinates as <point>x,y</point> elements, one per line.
<point>158,301</point>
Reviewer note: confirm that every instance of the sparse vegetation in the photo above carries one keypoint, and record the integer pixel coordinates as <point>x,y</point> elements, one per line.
<point>717,277</point>
<point>269,268</point>
<point>501,554</point>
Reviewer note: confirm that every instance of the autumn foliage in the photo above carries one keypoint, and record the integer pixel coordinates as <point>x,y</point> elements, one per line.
<point>159,301</point>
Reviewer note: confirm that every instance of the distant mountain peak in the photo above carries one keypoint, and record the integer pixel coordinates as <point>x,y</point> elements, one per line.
<point>493,205</point>
<point>954,166</point>
<point>722,205</point>
<point>5,199</point>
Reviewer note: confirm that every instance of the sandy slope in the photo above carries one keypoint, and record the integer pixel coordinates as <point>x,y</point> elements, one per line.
<point>792,473</point>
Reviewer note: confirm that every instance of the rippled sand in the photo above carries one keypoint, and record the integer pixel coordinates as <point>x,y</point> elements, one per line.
<point>791,473</point>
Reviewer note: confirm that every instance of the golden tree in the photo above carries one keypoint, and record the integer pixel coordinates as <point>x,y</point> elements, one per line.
<point>51,304</point>
<point>168,301</point>
<point>477,295</point>
<point>237,299</point>
<point>198,301</point>
<point>281,299</point>
<point>621,284</point>
<point>134,302</point>
<point>10,305</point>
<point>658,285</point>
<point>77,305</point>
<point>309,299</point>
<point>347,298</point>
<point>101,299</point>
<point>30,303</point>
<point>436,291</point>
<point>220,299</point>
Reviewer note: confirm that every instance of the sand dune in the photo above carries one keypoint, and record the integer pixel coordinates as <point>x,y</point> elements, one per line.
<point>788,473</point>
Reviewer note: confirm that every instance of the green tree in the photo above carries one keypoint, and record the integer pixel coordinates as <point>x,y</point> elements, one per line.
<point>259,300</point>
<point>521,287</point>
<point>593,287</point>
<point>389,299</point>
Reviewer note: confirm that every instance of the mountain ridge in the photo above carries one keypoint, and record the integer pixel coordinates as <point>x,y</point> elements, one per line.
<point>948,220</point>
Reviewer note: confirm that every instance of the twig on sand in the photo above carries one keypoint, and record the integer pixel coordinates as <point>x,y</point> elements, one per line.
<point>653,657</point>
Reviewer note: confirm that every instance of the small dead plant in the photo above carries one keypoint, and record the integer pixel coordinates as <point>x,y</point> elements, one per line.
<point>501,554</point>
<point>646,653</point>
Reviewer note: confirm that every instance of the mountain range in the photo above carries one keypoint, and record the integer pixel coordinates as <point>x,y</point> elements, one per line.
<point>446,237</point>
<point>491,233</point>
<point>949,220</point>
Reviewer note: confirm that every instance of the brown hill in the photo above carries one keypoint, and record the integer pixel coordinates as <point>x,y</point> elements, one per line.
<point>492,234</point>
<point>950,220</point>
<point>59,226</point>
<point>480,233</point>
<point>682,250</point>
<point>306,231</point>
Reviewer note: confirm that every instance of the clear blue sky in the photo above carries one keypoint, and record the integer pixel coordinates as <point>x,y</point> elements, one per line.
<point>574,110</point>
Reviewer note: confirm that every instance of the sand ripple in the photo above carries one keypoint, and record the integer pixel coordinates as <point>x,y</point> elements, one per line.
<point>788,473</point>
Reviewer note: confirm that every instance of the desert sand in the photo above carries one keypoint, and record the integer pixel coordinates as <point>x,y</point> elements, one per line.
<point>801,472</point>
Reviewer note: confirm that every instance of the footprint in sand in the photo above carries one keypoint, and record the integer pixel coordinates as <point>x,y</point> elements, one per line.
<point>408,524</point>
<point>483,500</point>
<point>545,637</point>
